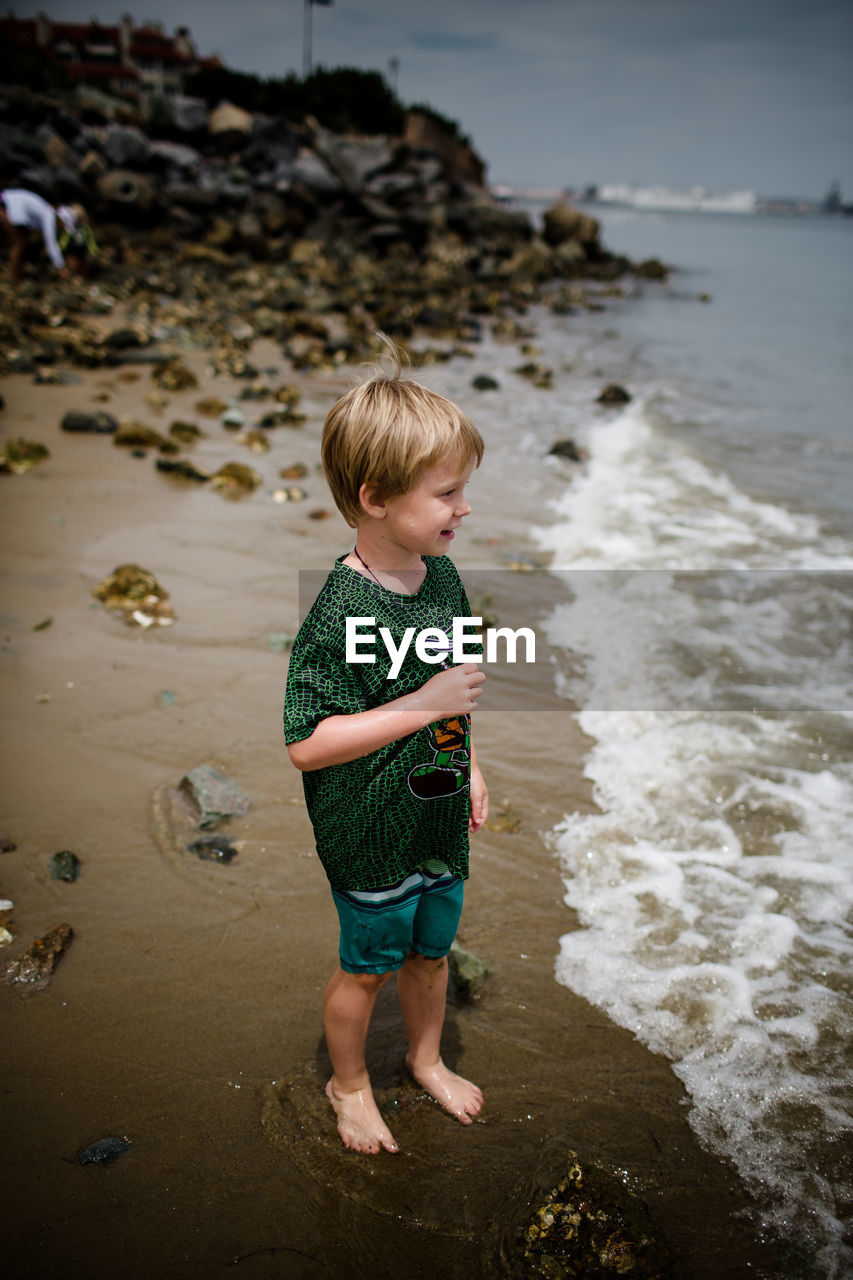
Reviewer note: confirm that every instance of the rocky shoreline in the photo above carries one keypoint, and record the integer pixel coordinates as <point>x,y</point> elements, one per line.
<point>216,228</point>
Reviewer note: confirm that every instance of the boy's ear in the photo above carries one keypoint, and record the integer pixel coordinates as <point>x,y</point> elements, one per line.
<point>371,504</point>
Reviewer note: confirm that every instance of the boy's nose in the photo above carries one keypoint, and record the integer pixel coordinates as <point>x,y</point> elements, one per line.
<point>463,508</point>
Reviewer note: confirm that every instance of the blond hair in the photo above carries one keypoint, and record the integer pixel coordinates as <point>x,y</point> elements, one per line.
<point>386,433</point>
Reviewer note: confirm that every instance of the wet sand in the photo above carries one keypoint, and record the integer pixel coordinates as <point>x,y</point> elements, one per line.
<point>185,1016</point>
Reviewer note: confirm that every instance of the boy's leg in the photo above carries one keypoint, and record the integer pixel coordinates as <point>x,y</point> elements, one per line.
<point>348,1006</point>
<point>422,987</point>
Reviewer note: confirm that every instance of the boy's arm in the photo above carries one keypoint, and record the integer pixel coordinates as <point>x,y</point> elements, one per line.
<point>339,739</point>
<point>479,807</point>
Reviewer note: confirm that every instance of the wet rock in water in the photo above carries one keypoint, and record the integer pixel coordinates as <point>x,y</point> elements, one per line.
<point>31,971</point>
<point>235,479</point>
<point>174,376</point>
<point>233,417</point>
<point>613,395</point>
<point>64,865</point>
<point>213,849</point>
<point>296,472</point>
<point>212,797</point>
<point>99,423</point>
<point>320,513</point>
<point>483,382</point>
<point>182,469</point>
<point>651,269</point>
<point>104,1151</point>
<point>590,1225</point>
<point>562,223</point>
<point>467,973</point>
<point>539,374</point>
<point>566,449</point>
<point>136,595</point>
<point>7,845</point>
<point>19,456</point>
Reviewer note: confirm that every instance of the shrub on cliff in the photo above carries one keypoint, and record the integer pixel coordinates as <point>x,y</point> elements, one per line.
<point>344,100</point>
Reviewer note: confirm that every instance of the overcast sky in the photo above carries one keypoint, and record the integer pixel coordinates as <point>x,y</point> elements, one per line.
<point>722,93</point>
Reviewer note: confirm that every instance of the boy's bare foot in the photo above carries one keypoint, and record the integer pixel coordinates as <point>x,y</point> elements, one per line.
<point>454,1093</point>
<point>359,1123</point>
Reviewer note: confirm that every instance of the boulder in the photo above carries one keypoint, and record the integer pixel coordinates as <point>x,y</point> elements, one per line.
<point>229,125</point>
<point>566,449</point>
<point>561,222</point>
<point>613,396</point>
<point>125,147</point>
<point>128,190</point>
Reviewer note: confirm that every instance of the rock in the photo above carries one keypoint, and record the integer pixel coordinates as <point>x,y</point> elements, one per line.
<point>483,382</point>
<point>188,115</point>
<point>230,125</point>
<point>211,407</point>
<point>127,190</point>
<point>235,479</point>
<point>213,849</point>
<point>182,469</point>
<point>566,449</point>
<point>613,395</point>
<point>32,970</point>
<point>7,845</point>
<point>104,1151</point>
<point>19,455</point>
<point>651,269</point>
<point>561,222</point>
<point>125,338</point>
<point>467,973</point>
<point>185,432</point>
<point>125,147</point>
<point>212,797</point>
<point>174,376</point>
<point>539,374</point>
<point>136,435</point>
<point>590,1225</point>
<point>100,423</point>
<point>64,865</point>
<point>136,595</point>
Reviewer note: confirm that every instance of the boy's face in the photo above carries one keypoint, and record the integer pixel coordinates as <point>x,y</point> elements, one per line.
<point>422,521</point>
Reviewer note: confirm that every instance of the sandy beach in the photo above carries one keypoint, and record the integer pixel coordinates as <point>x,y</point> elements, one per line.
<point>185,1015</point>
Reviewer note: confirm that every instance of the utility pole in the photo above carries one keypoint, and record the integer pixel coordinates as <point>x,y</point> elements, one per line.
<point>307,63</point>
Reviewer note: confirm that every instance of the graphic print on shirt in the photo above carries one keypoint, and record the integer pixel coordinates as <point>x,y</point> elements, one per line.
<point>448,771</point>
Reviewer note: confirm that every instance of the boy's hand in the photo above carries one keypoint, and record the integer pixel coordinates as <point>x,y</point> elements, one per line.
<point>479,801</point>
<point>453,692</point>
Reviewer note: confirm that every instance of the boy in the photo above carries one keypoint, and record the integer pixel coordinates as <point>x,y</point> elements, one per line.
<point>391,779</point>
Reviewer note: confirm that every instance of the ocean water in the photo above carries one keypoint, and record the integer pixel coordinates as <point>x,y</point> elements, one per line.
<point>705,547</point>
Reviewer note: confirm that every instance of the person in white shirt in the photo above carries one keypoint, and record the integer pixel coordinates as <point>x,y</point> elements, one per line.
<point>23,212</point>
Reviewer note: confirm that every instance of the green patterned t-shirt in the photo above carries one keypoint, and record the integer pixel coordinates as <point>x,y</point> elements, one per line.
<point>380,817</point>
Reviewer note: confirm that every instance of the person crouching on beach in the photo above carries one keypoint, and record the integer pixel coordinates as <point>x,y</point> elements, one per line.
<point>23,213</point>
<point>391,780</point>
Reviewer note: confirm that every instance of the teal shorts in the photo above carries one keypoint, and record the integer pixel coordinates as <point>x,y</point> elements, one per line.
<point>381,927</point>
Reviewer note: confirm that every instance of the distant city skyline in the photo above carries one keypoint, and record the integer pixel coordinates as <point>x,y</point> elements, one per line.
<point>739,94</point>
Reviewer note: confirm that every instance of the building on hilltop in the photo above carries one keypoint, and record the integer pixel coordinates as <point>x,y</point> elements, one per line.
<point>125,59</point>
